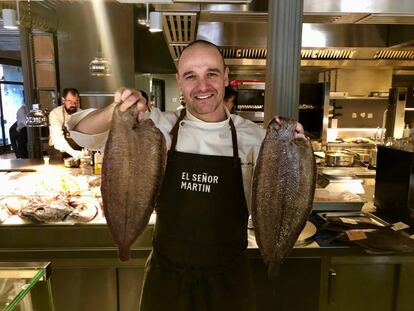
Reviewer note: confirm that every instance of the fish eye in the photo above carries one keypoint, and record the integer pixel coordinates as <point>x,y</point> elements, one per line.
<point>40,210</point>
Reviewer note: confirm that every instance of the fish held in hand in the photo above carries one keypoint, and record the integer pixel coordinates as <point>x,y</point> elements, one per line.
<point>283,189</point>
<point>132,172</point>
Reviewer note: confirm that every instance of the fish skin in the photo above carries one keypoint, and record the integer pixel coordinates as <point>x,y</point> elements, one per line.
<point>46,211</point>
<point>132,173</point>
<point>283,188</point>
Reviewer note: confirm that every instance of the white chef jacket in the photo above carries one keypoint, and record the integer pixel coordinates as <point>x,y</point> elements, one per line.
<point>58,118</point>
<point>21,117</point>
<point>194,136</point>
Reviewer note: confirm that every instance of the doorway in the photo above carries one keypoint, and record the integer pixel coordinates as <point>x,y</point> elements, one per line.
<point>158,89</point>
<point>11,99</point>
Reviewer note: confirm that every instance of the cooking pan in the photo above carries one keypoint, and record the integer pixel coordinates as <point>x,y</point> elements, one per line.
<point>339,158</point>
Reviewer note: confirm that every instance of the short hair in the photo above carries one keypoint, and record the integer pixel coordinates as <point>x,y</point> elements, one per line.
<point>229,92</point>
<point>206,43</point>
<point>71,90</point>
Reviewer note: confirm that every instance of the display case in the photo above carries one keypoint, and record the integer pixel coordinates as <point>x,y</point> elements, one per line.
<point>18,279</point>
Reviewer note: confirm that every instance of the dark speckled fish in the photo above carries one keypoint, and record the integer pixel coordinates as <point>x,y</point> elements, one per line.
<point>132,173</point>
<point>283,189</point>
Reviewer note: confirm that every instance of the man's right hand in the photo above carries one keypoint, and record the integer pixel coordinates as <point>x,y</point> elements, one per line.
<point>127,98</point>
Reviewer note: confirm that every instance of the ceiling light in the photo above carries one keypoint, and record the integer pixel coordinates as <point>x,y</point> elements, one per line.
<point>36,117</point>
<point>9,19</point>
<point>100,66</point>
<point>155,24</point>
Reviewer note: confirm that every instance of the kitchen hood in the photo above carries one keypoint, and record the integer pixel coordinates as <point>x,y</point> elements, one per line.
<point>367,34</point>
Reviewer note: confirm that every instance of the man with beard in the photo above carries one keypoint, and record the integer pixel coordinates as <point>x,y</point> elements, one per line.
<point>59,138</point>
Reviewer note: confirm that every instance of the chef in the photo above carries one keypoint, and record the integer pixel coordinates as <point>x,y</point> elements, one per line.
<point>63,145</point>
<point>199,259</point>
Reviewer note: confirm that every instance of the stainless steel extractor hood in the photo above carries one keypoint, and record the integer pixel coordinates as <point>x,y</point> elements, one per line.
<point>366,34</point>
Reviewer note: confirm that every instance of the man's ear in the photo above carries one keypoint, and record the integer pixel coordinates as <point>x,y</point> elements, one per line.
<point>226,76</point>
<point>62,100</point>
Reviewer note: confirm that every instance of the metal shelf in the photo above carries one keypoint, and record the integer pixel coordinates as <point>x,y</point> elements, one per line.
<point>357,98</point>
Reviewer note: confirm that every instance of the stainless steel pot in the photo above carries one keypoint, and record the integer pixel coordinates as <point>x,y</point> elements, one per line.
<point>339,158</point>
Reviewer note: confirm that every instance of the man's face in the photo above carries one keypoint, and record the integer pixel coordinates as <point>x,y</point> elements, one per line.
<point>202,78</point>
<point>71,103</point>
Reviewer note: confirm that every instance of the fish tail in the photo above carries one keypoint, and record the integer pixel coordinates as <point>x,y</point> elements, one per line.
<point>273,270</point>
<point>124,252</point>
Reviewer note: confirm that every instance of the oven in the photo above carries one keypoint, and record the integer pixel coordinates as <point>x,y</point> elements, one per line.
<point>250,100</point>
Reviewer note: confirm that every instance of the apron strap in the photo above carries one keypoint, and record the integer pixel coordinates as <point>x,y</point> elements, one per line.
<point>174,130</point>
<point>174,134</point>
<point>234,140</point>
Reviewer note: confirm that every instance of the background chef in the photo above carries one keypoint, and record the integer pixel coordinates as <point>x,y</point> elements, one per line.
<point>199,259</point>
<point>60,139</point>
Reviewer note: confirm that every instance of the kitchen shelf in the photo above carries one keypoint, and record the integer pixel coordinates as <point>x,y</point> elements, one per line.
<point>357,98</point>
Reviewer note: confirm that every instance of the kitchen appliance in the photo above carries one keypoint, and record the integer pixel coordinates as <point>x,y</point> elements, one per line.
<point>394,183</point>
<point>250,100</point>
<point>394,121</point>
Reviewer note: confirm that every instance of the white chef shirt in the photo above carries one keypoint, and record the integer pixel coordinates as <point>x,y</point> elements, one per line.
<point>21,117</point>
<point>59,117</point>
<point>194,136</point>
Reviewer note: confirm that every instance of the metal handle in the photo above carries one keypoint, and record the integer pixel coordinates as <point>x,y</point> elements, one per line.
<point>331,280</point>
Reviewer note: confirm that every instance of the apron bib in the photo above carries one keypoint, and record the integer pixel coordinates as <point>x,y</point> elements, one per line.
<point>199,259</point>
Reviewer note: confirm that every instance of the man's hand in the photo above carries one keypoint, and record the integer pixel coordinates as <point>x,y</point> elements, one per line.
<point>76,154</point>
<point>299,131</point>
<point>128,97</point>
<point>99,120</point>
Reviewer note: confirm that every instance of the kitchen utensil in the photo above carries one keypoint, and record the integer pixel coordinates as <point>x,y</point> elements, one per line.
<point>339,158</point>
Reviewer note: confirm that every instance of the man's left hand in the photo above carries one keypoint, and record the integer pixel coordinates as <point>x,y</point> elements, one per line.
<point>299,131</point>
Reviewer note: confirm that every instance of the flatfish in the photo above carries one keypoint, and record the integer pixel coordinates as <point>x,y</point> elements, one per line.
<point>282,193</point>
<point>132,172</point>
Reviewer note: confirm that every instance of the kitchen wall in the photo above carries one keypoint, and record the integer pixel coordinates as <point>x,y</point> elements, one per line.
<point>358,110</point>
<point>360,82</point>
<point>172,93</point>
<point>79,41</point>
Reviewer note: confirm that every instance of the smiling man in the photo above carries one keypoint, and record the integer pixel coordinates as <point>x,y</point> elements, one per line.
<point>199,259</point>
<point>202,77</point>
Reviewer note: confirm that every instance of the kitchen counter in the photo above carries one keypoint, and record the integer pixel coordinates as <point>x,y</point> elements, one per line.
<point>83,256</point>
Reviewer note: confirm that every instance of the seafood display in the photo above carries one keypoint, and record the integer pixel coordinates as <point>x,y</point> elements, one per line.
<point>283,189</point>
<point>55,209</point>
<point>132,173</point>
<point>46,212</point>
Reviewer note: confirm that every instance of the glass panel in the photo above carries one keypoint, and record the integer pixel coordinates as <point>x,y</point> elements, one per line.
<point>10,289</point>
<point>16,283</point>
<point>12,99</point>
<point>11,73</point>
